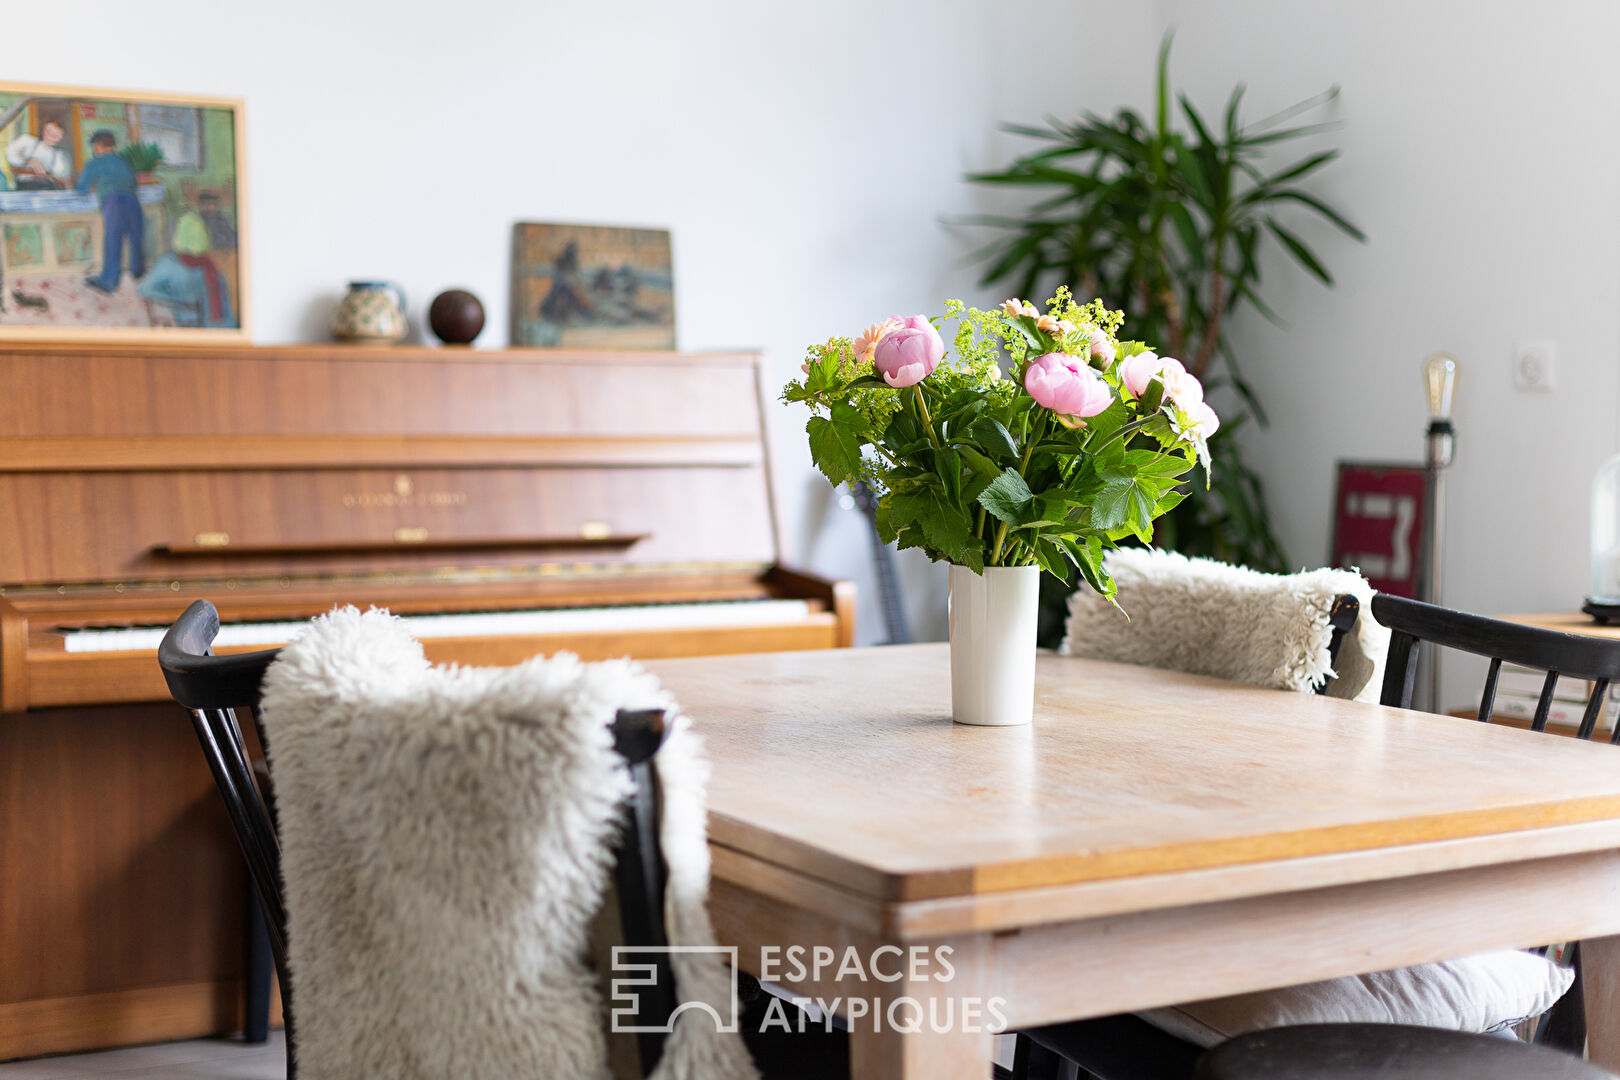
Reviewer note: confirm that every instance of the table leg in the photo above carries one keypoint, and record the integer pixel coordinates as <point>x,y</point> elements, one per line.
<point>1600,975</point>
<point>929,1029</point>
<point>921,1055</point>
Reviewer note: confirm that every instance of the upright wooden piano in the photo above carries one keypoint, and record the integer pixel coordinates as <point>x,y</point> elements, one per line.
<point>509,503</point>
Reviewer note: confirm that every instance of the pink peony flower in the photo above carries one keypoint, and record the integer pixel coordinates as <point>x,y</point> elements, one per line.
<point>1139,370</point>
<point>909,353</point>
<point>1101,347</point>
<point>1181,386</point>
<point>911,322</point>
<point>1016,307</point>
<point>1067,386</point>
<point>867,340</point>
<point>1201,421</point>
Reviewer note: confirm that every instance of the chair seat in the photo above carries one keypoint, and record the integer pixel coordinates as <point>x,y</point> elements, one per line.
<point>1386,1052</point>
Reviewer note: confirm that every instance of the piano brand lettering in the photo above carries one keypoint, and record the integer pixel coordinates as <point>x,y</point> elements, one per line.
<point>404,494</point>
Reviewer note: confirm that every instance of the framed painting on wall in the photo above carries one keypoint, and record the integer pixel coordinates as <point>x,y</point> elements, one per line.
<point>592,286</point>
<point>123,215</point>
<point>1378,523</point>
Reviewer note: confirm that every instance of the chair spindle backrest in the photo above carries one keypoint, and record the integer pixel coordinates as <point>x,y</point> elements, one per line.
<point>1411,622</point>
<point>1596,660</point>
<point>212,687</point>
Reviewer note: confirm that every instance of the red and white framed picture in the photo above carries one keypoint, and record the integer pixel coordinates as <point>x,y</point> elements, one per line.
<point>1378,523</point>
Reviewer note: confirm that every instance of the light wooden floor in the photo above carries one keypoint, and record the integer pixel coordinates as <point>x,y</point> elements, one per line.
<point>200,1059</point>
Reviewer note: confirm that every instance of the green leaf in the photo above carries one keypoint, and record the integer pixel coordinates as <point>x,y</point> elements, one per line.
<point>972,555</point>
<point>1111,508</point>
<point>1299,169</point>
<point>1110,457</point>
<point>1232,127</point>
<point>1156,463</point>
<point>835,443</point>
<point>824,373</point>
<point>978,462</point>
<point>1196,120</point>
<point>882,522</point>
<point>1008,498</point>
<point>1152,397</point>
<point>1302,254</point>
<point>1139,513</point>
<point>944,526</point>
<point>1100,427</point>
<point>1319,206</point>
<point>993,435</point>
<point>1089,558</point>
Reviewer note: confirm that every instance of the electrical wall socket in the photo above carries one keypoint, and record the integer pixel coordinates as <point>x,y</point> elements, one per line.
<point>1534,365</point>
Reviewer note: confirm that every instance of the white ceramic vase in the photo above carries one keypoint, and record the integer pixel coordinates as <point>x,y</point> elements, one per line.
<point>993,619</point>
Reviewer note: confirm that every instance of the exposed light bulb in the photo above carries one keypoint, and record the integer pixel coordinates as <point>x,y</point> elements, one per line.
<point>1439,380</point>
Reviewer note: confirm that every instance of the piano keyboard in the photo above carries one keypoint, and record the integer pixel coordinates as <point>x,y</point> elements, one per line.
<point>480,624</point>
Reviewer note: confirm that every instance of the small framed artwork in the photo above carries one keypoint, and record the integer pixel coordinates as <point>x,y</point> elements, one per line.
<point>123,215</point>
<point>592,286</point>
<point>1378,523</point>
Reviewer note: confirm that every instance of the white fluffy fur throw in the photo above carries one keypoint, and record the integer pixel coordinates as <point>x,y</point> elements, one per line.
<point>1208,618</point>
<point>446,839</point>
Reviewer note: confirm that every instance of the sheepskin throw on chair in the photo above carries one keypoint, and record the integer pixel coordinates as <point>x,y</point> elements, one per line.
<point>446,840</point>
<point>1209,618</point>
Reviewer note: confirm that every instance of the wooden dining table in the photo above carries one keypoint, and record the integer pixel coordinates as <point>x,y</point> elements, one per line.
<point>1152,838</point>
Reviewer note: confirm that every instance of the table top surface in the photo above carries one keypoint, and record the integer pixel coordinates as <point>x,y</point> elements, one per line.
<point>844,765</point>
<point>1568,622</point>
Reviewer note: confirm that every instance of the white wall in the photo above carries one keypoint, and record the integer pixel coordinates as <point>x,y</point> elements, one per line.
<point>803,154</point>
<point>1480,156</point>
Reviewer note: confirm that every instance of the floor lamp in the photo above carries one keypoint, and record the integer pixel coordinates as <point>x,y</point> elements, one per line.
<point>1439,382</point>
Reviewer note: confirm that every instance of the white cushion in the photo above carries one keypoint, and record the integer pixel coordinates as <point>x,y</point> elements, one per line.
<point>1487,992</point>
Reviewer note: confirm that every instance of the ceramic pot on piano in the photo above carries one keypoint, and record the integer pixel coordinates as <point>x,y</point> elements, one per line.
<point>508,503</point>
<point>371,313</point>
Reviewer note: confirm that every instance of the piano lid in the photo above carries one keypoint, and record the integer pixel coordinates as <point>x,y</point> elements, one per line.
<point>141,464</point>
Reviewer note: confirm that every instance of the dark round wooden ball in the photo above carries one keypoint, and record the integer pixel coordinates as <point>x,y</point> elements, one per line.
<point>456,317</point>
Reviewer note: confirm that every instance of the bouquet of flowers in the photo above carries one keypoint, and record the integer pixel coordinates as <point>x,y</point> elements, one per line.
<point>1084,442</point>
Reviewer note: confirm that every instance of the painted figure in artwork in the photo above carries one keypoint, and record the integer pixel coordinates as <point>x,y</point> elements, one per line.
<point>120,213</point>
<point>221,233</point>
<point>113,181</point>
<point>592,286</point>
<point>567,298</point>
<point>186,281</point>
<point>39,162</point>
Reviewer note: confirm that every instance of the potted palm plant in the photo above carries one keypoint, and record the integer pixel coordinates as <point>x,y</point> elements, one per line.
<point>144,158</point>
<point>1169,226</point>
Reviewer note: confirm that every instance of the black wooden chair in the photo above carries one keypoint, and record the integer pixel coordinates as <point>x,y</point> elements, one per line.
<point>213,687</point>
<point>1128,1048</point>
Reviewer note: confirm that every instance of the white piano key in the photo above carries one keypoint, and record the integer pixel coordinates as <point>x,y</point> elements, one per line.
<point>481,624</point>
